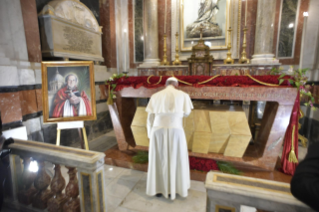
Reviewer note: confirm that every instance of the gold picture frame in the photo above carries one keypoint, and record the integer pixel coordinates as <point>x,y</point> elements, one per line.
<point>222,43</point>
<point>68,91</point>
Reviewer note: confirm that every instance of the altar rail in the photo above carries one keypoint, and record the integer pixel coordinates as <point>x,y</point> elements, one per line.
<point>29,191</point>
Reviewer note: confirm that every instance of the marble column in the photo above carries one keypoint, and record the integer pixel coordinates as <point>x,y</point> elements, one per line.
<point>264,35</point>
<point>150,34</point>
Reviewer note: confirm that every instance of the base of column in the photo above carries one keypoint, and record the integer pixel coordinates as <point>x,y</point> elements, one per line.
<point>263,59</point>
<point>150,63</point>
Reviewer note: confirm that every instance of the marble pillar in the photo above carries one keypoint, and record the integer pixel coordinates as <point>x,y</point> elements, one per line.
<point>264,35</point>
<point>150,34</point>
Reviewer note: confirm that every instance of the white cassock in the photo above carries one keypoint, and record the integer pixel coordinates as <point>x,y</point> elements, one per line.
<point>168,166</point>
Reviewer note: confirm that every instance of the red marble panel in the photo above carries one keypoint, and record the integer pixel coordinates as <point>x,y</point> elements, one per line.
<point>28,102</point>
<point>315,93</point>
<point>276,25</point>
<point>38,93</point>
<point>10,107</point>
<point>103,94</point>
<point>107,21</point>
<point>31,28</point>
<point>304,5</point>
<point>251,25</point>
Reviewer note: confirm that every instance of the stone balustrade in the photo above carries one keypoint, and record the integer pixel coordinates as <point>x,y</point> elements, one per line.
<point>28,190</point>
<point>227,192</point>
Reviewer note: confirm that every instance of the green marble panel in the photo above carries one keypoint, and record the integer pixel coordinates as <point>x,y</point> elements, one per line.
<point>287,28</point>
<point>138,31</point>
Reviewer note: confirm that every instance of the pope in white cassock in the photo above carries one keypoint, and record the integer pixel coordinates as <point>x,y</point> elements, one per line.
<point>168,166</point>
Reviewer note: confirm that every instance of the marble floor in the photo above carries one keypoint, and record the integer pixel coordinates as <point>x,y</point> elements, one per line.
<point>126,192</point>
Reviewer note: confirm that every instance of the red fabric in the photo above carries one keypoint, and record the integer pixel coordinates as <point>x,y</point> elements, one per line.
<point>240,81</point>
<point>60,99</point>
<point>289,167</point>
<point>202,164</point>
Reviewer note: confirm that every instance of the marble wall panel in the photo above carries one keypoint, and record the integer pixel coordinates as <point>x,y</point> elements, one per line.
<point>28,101</point>
<point>26,76</point>
<point>137,19</point>
<point>15,39</point>
<point>101,107</point>
<point>38,93</point>
<point>251,25</point>
<point>31,28</point>
<point>9,76</point>
<point>287,28</point>
<point>107,21</point>
<point>103,93</point>
<point>10,107</point>
<point>304,6</point>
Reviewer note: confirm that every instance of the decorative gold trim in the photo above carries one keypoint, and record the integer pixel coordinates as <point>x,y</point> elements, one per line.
<point>165,62</point>
<point>251,180</point>
<point>15,177</point>
<point>44,67</point>
<point>85,139</point>
<point>224,207</point>
<point>97,187</point>
<point>260,82</point>
<point>176,61</point>
<point>148,80</point>
<point>91,196</point>
<point>210,79</point>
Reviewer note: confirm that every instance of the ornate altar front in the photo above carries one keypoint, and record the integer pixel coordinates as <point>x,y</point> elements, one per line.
<point>262,155</point>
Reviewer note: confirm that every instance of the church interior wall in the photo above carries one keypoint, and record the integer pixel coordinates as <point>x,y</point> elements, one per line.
<point>20,76</point>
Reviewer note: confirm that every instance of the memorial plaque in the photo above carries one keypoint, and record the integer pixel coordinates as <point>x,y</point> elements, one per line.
<point>69,29</point>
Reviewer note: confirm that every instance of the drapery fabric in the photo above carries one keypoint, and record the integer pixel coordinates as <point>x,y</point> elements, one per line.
<point>291,136</point>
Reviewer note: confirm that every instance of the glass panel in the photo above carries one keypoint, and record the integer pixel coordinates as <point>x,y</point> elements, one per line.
<point>287,28</point>
<point>138,31</point>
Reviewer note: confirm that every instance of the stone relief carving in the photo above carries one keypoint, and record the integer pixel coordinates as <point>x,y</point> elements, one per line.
<point>206,16</point>
<point>72,11</point>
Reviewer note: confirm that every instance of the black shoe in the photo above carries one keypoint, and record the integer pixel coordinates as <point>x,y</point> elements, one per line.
<point>169,196</point>
<point>159,195</point>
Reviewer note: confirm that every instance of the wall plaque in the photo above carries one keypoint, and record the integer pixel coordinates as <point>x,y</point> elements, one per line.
<point>69,29</point>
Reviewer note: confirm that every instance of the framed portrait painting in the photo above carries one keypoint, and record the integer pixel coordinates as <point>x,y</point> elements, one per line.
<point>68,91</point>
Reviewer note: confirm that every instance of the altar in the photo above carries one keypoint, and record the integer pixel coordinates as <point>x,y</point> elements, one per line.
<point>261,155</point>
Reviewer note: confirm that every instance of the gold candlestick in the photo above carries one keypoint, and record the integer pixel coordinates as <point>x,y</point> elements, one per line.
<point>165,62</point>
<point>176,61</point>
<point>229,60</point>
<point>243,58</point>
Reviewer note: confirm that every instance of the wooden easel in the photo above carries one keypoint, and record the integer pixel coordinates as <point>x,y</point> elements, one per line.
<point>72,125</point>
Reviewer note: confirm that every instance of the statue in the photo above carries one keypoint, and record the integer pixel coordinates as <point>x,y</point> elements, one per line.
<point>206,17</point>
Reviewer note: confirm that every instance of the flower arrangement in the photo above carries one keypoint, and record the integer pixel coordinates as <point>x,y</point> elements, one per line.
<point>112,82</point>
<point>297,79</point>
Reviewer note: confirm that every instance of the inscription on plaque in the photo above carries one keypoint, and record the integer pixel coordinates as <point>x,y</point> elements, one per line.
<point>78,41</point>
<point>236,95</point>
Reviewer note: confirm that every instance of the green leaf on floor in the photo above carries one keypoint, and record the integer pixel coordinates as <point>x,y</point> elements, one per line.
<point>140,157</point>
<point>228,168</point>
